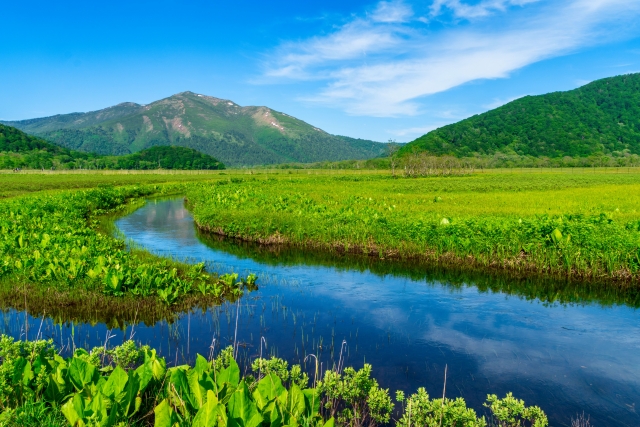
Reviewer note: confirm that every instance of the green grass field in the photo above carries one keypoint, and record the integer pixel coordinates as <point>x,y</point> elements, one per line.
<point>56,254</point>
<point>581,225</point>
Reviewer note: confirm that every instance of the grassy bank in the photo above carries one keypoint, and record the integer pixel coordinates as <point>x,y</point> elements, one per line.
<point>131,386</point>
<point>547,290</point>
<point>582,227</point>
<point>26,182</point>
<point>57,259</point>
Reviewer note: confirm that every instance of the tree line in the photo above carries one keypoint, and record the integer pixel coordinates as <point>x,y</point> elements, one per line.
<point>21,151</point>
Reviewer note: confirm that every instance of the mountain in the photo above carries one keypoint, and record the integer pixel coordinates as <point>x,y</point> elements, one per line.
<point>19,150</point>
<point>602,117</point>
<point>219,127</point>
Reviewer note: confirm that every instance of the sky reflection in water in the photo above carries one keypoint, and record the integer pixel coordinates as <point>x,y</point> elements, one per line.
<point>567,359</point>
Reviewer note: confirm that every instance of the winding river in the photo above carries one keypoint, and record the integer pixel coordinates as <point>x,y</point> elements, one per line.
<point>566,358</point>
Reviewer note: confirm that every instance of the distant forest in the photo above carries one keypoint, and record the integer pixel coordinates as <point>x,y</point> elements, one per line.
<point>21,151</point>
<point>600,119</point>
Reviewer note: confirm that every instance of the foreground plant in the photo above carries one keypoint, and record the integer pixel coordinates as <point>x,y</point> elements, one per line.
<point>53,241</point>
<point>131,385</point>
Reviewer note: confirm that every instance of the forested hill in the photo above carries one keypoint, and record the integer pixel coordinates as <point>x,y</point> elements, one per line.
<point>600,117</point>
<point>16,141</point>
<point>165,157</point>
<point>221,128</point>
<point>19,150</point>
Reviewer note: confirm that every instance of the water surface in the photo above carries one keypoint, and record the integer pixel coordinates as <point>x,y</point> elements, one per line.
<point>566,358</point>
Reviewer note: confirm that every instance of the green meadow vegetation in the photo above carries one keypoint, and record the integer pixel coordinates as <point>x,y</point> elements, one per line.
<point>581,226</point>
<point>58,258</point>
<point>132,386</point>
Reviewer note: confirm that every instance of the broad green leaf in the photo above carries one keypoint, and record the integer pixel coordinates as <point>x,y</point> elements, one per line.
<point>73,410</point>
<point>81,373</point>
<point>197,392</point>
<point>312,401</point>
<point>295,404</point>
<point>225,393</point>
<point>116,384</point>
<point>268,389</point>
<point>41,363</point>
<point>330,422</point>
<point>202,365</point>
<point>242,410</point>
<point>54,391</point>
<point>229,375</point>
<point>98,405</point>
<point>178,387</point>
<point>209,413</point>
<point>144,375</point>
<point>22,372</point>
<point>111,419</point>
<point>128,400</point>
<point>164,415</point>
<point>207,383</point>
<point>273,414</point>
<point>158,365</point>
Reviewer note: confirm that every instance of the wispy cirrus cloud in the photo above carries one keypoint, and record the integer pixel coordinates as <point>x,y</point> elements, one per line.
<point>464,10</point>
<point>381,63</point>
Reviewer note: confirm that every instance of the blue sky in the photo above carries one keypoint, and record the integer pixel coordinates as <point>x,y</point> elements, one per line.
<point>370,69</point>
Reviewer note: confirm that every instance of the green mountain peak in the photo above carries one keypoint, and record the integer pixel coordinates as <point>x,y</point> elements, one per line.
<point>602,117</point>
<point>234,134</point>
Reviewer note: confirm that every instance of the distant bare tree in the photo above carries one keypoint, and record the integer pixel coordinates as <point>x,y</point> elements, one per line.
<point>423,164</point>
<point>392,151</point>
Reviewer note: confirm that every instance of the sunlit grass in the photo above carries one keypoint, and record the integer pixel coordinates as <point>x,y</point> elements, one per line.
<point>496,219</point>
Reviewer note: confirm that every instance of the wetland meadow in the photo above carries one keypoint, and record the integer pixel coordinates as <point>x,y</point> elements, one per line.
<point>257,298</point>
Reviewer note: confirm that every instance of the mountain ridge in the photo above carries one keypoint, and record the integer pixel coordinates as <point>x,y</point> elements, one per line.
<point>237,135</point>
<point>599,118</point>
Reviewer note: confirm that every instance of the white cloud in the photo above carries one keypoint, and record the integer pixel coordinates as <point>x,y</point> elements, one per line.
<point>353,41</point>
<point>391,12</point>
<point>467,11</point>
<point>380,64</point>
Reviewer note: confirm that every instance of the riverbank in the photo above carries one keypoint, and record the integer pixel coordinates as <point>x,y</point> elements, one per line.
<point>59,258</point>
<point>410,330</point>
<point>577,227</point>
